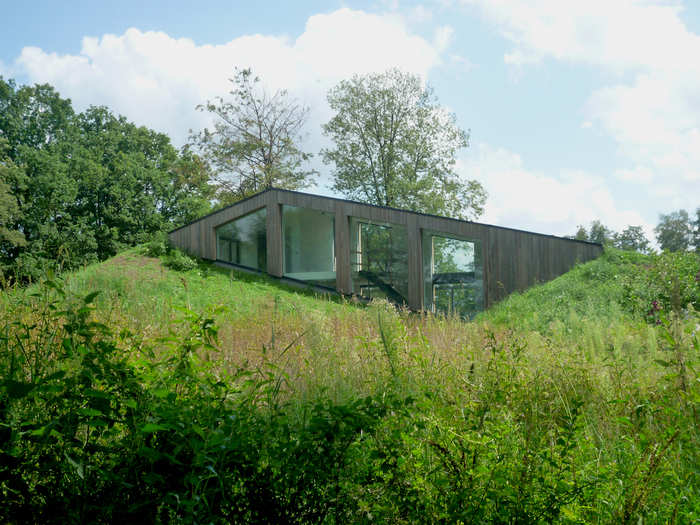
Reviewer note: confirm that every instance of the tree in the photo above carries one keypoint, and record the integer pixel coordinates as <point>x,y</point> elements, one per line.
<point>254,144</point>
<point>11,176</point>
<point>581,233</point>
<point>600,233</point>
<point>674,231</point>
<point>632,238</point>
<point>76,188</point>
<point>696,231</point>
<point>395,146</point>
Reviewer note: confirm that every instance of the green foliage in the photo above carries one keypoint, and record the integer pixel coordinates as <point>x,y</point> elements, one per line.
<point>666,283</point>
<point>696,230</point>
<point>395,146</point>
<point>77,188</point>
<point>674,231</point>
<point>619,284</point>
<point>179,261</point>
<point>89,435</point>
<point>158,246</point>
<point>255,141</point>
<point>632,238</point>
<point>523,416</point>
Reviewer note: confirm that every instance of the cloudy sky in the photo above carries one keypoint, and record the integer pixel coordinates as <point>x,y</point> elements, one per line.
<point>578,110</point>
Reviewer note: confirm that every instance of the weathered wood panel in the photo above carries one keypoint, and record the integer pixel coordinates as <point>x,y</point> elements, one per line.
<point>343,275</point>
<point>199,237</point>
<point>275,249</point>
<point>513,260</point>
<point>415,263</point>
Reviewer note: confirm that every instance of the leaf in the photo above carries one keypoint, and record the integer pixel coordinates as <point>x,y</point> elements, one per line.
<point>76,465</point>
<point>89,298</point>
<point>149,428</point>
<point>91,412</point>
<point>17,389</point>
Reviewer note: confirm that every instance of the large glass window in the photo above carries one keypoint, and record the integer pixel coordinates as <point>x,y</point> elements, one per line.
<point>452,275</point>
<point>379,260</point>
<point>309,245</point>
<point>244,241</point>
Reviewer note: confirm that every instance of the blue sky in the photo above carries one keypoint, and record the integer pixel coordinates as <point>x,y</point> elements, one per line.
<point>577,110</point>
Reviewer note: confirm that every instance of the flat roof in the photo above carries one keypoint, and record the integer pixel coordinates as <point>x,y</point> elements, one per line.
<point>402,210</point>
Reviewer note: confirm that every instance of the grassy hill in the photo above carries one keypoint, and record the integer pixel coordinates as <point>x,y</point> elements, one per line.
<point>212,395</point>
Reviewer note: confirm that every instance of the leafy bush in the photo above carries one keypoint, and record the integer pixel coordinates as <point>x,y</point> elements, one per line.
<point>88,435</point>
<point>179,261</point>
<point>158,246</point>
<point>669,282</point>
<point>99,424</point>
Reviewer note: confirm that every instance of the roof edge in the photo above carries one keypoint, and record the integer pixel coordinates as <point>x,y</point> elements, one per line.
<point>385,208</point>
<point>222,209</point>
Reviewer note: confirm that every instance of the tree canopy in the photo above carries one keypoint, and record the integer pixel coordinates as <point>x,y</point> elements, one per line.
<point>79,187</point>
<point>674,231</point>
<point>632,238</point>
<point>255,141</point>
<point>394,145</point>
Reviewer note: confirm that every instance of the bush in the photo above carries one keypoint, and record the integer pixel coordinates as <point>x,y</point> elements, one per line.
<point>179,261</point>
<point>158,246</point>
<point>98,426</point>
<point>669,282</point>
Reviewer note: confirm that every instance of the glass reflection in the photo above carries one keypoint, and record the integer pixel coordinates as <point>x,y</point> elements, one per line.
<point>244,241</point>
<point>379,260</point>
<point>452,275</point>
<point>309,245</point>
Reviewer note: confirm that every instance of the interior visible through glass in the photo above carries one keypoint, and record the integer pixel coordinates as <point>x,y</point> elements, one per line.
<point>452,275</point>
<point>309,245</point>
<point>244,241</point>
<point>379,260</point>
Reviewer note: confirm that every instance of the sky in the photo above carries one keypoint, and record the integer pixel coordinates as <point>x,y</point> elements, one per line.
<point>576,110</point>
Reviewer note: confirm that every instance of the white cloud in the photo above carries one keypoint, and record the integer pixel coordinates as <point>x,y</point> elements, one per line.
<point>621,34</point>
<point>522,198</point>
<point>157,80</point>
<point>653,111</point>
<point>443,37</point>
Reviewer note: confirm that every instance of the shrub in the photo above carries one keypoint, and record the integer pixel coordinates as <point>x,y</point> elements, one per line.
<point>179,261</point>
<point>669,282</point>
<point>158,246</point>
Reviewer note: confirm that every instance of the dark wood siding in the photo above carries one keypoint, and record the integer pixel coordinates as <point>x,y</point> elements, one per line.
<point>513,260</point>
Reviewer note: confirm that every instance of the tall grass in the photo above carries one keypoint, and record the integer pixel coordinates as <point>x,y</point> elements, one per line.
<point>234,398</point>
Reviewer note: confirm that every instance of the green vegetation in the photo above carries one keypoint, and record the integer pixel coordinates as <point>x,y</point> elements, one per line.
<point>254,143</point>
<point>394,145</point>
<point>214,396</point>
<point>80,187</point>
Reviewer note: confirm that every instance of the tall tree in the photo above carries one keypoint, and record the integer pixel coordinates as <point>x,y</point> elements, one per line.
<point>255,141</point>
<point>632,238</point>
<point>674,231</point>
<point>581,233</point>
<point>696,230</point>
<point>395,146</point>
<point>600,233</point>
<point>76,188</point>
<point>11,177</point>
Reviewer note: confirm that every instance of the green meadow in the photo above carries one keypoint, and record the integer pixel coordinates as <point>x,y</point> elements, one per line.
<point>132,392</point>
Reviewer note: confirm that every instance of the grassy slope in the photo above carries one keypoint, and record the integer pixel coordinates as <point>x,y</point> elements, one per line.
<point>562,348</point>
<point>335,343</point>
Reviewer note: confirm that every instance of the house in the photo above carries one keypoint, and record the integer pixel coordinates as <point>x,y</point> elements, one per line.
<point>424,261</point>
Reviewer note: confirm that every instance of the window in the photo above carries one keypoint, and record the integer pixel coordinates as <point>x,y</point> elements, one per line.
<point>452,275</point>
<point>244,241</point>
<point>379,260</point>
<point>309,245</point>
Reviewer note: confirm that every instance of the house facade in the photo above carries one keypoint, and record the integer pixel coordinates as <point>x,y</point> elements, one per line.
<point>423,261</point>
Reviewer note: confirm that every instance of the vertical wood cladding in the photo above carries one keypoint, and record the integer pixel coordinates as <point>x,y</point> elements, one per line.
<point>513,260</point>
